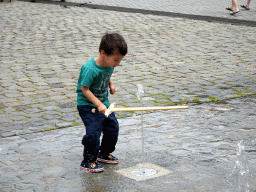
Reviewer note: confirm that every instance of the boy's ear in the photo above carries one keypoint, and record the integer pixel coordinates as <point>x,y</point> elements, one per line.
<point>102,52</point>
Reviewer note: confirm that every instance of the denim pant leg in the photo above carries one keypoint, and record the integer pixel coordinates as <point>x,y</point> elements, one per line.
<point>110,134</point>
<point>93,123</point>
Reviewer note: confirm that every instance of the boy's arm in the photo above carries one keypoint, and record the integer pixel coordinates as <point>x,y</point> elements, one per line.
<point>91,97</point>
<point>112,87</point>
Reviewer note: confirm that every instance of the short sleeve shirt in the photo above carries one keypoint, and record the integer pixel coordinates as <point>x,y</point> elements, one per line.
<point>97,79</point>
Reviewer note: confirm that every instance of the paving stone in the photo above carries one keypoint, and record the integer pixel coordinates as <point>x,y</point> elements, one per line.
<point>5,120</point>
<point>56,85</point>
<point>69,117</point>
<point>24,185</point>
<point>8,134</point>
<point>68,105</point>
<point>66,124</point>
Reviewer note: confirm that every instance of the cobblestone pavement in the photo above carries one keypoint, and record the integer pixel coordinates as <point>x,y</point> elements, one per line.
<point>210,8</point>
<point>177,60</point>
<point>209,147</point>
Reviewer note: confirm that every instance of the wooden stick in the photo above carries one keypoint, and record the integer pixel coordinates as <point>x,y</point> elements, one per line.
<point>148,108</point>
<point>112,109</point>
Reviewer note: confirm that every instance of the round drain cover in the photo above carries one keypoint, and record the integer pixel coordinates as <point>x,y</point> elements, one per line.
<point>143,172</point>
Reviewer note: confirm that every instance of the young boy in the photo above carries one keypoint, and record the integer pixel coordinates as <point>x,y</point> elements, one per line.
<point>92,92</point>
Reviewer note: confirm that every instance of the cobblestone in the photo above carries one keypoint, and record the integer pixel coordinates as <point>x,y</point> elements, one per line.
<point>198,147</point>
<point>192,57</point>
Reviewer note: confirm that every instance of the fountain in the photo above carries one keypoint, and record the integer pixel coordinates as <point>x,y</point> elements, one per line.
<point>241,168</point>
<point>142,170</point>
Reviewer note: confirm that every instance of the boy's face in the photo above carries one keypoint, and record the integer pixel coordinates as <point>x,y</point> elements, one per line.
<point>113,60</point>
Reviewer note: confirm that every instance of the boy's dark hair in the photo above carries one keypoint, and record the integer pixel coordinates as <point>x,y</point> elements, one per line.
<point>113,42</point>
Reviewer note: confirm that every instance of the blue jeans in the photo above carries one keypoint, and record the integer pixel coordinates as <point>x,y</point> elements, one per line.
<point>95,124</point>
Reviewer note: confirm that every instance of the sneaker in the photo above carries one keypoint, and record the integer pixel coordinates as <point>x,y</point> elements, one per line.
<point>91,167</point>
<point>107,159</point>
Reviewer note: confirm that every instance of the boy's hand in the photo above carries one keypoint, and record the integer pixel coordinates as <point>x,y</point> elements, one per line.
<point>102,108</point>
<point>112,89</point>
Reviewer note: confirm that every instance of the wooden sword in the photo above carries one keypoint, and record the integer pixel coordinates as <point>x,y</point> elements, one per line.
<point>112,109</point>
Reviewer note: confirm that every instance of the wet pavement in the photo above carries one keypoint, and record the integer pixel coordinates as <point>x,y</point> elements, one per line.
<point>194,149</point>
<point>210,66</point>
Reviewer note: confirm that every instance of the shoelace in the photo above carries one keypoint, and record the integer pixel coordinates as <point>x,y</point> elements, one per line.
<point>110,157</point>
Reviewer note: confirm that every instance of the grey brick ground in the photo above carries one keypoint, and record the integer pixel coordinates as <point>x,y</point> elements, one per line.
<point>198,146</point>
<point>201,8</point>
<point>177,60</point>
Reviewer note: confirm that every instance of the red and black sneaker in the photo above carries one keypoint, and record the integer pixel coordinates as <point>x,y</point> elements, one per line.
<point>91,167</point>
<point>107,159</point>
